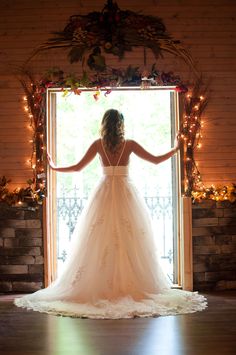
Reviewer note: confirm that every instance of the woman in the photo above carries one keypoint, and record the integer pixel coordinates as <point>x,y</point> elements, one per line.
<point>113,271</point>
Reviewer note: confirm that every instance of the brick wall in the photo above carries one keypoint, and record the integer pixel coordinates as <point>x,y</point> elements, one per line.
<point>214,245</point>
<point>21,249</point>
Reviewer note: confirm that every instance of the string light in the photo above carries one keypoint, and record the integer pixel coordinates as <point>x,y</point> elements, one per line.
<point>194,106</point>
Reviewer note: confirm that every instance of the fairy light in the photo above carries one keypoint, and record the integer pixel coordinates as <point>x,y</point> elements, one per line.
<point>192,125</point>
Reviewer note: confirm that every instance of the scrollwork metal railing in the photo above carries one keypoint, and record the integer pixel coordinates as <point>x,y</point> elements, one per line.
<point>70,206</point>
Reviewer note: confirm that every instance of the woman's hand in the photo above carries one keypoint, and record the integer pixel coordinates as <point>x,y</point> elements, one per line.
<point>50,162</point>
<point>177,142</point>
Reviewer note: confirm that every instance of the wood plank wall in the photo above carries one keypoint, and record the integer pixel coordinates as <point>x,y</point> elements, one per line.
<point>206,27</point>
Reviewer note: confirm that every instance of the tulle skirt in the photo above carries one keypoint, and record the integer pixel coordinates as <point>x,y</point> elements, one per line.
<point>113,271</point>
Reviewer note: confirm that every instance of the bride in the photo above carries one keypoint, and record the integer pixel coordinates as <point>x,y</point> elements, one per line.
<point>113,271</point>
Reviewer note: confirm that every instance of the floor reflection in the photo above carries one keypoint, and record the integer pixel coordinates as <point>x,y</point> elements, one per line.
<point>147,336</point>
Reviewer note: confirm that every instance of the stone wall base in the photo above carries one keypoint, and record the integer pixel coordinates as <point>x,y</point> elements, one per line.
<point>21,249</point>
<point>214,245</point>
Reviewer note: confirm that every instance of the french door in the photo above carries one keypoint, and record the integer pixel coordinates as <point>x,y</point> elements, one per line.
<point>73,121</point>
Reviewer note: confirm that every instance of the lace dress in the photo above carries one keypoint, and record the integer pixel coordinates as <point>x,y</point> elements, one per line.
<point>113,271</point>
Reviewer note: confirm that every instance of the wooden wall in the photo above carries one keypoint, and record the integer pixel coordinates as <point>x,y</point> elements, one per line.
<point>206,27</point>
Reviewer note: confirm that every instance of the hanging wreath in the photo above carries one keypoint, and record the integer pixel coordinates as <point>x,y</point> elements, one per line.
<point>113,31</point>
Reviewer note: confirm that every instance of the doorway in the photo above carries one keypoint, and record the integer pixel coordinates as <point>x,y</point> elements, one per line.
<point>151,118</point>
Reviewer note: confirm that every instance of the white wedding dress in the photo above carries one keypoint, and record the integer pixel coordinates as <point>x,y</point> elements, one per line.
<point>113,271</point>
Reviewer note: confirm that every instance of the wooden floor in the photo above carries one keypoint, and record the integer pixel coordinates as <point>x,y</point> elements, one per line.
<point>212,331</point>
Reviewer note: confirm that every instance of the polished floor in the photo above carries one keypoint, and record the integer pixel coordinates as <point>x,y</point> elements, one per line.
<point>212,331</point>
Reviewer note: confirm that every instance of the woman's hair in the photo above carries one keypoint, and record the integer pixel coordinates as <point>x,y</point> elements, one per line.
<point>112,129</point>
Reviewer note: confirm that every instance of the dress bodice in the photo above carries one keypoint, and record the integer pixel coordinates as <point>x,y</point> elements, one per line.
<point>118,170</point>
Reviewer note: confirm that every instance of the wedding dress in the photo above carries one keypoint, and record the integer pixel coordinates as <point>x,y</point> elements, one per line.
<point>113,271</point>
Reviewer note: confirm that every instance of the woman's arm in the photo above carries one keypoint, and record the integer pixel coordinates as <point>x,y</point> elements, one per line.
<point>87,158</point>
<point>144,154</point>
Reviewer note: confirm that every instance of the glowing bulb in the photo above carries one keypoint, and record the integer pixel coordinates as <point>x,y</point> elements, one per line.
<point>24,98</point>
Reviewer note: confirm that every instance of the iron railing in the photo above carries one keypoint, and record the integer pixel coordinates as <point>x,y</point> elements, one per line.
<point>70,206</point>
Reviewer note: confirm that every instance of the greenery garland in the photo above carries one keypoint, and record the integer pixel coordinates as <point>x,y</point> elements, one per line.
<point>217,193</point>
<point>21,196</point>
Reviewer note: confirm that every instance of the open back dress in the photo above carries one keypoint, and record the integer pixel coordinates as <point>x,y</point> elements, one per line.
<point>113,271</point>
